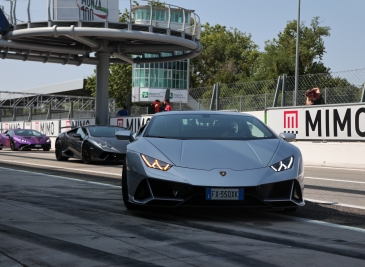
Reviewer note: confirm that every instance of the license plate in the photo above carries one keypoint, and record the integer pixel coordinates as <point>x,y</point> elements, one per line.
<point>224,193</point>
<point>37,145</point>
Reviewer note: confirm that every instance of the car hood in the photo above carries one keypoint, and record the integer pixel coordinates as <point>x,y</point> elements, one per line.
<point>32,139</point>
<point>120,145</point>
<point>212,154</point>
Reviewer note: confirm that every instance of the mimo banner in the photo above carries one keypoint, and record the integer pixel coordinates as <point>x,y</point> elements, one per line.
<point>325,122</point>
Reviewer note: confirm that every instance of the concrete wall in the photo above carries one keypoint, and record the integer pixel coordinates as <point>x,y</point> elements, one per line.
<point>333,154</point>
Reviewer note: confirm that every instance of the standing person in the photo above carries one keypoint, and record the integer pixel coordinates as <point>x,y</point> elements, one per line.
<point>157,105</point>
<point>123,112</point>
<point>314,97</point>
<point>167,105</point>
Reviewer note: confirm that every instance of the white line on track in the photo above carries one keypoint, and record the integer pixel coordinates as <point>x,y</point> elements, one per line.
<point>61,177</point>
<point>334,180</point>
<point>333,168</point>
<point>333,225</point>
<point>334,204</point>
<point>64,168</point>
<point>279,215</point>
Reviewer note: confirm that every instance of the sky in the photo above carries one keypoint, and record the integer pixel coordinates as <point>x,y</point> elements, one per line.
<point>262,19</point>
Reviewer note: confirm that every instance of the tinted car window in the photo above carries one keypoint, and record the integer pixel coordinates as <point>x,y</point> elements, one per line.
<point>104,131</point>
<point>82,131</point>
<point>24,132</point>
<point>208,126</point>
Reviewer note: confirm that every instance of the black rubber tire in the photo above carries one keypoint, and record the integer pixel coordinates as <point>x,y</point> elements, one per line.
<point>12,146</point>
<point>58,151</point>
<point>127,204</point>
<point>1,148</point>
<point>86,154</point>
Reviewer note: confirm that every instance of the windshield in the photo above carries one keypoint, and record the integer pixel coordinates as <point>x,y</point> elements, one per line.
<point>208,126</point>
<point>105,131</point>
<point>27,132</point>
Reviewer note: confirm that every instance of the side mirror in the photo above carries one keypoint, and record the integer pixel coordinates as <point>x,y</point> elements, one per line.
<point>289,137</point>
<point>124,135</point>
<point>77,135</point>
<point>7,134</point>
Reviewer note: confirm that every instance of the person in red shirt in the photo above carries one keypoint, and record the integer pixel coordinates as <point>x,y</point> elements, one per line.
<point>167,105</point>
<point>157,105</point>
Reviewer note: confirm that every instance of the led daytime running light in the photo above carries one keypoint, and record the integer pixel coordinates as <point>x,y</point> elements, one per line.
<point>283,164</point>
<point>155,163</point>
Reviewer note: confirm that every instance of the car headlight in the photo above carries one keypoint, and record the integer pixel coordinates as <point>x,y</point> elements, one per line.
<point>23,140</point>
<point>155,163</point>
<point>283,165</point>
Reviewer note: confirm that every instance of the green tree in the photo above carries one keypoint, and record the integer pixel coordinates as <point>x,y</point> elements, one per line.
<point>228,56</point>
<point>279,55</point>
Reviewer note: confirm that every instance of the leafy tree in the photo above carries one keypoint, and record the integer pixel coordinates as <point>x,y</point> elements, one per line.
<point>228,56</point>
<point>279,55</point>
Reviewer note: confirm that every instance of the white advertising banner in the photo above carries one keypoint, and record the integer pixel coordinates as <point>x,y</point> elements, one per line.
<point>68,123</point>
<point>6,125</point>
<point>89,10</point>
<point>332,122</point>
<point>132,123</point>
<point>151,94</point>
<point>48,127</point>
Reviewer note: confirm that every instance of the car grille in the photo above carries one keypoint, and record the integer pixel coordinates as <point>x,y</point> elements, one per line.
<point>165,193</point>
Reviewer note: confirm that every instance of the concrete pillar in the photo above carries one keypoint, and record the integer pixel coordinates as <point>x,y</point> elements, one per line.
<point>102,82</point>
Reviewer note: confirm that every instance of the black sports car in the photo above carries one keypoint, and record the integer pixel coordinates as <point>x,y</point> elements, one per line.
<point>91,143</point>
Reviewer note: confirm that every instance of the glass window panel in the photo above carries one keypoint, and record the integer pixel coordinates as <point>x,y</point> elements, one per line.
<point>165,84</point>
<point>161,65</point>
<point>169,65</point>
<point>160,83</point>
<point>168,84</point>
<point>160,74</point>
<point>181,85</point>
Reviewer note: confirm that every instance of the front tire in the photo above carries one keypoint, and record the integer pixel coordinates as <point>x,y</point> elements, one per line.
<point>58,152</point>
<point>127,204</point>
<point>86,154</point>
<point>12,146</point>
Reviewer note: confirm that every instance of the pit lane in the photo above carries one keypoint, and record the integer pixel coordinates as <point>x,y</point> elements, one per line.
<point>78,209</point>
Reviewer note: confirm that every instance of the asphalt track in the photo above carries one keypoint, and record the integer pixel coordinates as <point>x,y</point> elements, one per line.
<point>71,214</point>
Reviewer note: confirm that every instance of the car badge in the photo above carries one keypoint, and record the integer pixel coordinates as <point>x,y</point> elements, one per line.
<point>223,173</point>
<point>175,193</point>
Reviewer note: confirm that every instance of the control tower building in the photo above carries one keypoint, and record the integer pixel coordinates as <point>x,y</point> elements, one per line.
<point>150,80</point>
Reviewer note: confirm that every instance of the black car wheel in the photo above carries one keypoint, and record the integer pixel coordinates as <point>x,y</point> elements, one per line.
<point>12,145</point>
<point>58,152</point>
<point>86,154</point>
<point>127,204</point>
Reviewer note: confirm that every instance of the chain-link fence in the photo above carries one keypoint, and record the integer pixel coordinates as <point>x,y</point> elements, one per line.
<point>339,87</point>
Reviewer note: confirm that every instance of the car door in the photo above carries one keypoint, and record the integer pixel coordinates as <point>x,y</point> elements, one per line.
<point>74,138</point>
<point>84,135</point>
<point>7,135</point>
<point>3,139</point>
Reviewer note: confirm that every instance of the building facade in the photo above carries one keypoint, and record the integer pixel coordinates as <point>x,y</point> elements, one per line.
<point>150,80</point>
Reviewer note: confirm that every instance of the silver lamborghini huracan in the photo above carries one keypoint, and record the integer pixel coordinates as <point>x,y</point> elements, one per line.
<point>210,158</point>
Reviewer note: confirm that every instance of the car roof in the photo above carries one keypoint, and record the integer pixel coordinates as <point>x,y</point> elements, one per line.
<point>203,112</point>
